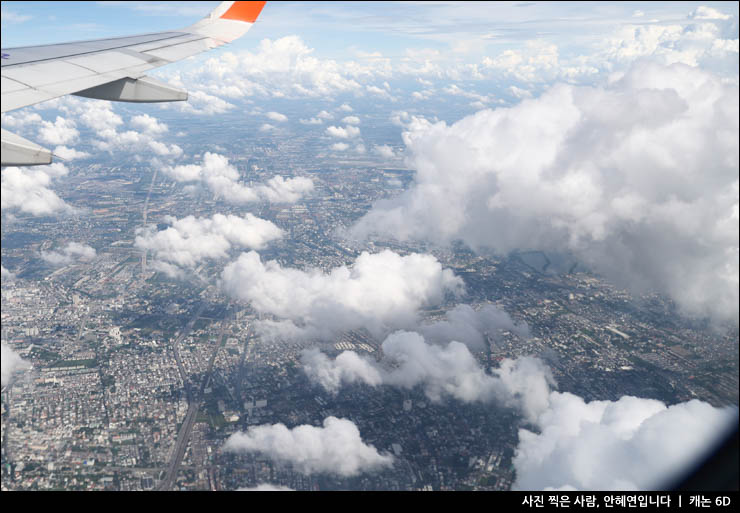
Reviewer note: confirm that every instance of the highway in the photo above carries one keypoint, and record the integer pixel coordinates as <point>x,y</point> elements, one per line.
<point>194,404</point>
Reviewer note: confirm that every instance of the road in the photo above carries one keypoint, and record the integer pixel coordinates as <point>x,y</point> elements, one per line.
<point>194,405</point>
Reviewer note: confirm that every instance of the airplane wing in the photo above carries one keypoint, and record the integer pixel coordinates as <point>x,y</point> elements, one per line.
<point>108,69</point>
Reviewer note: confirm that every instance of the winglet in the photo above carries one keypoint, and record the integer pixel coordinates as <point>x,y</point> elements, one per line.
<point>228,21</point>
<point>244,11</point>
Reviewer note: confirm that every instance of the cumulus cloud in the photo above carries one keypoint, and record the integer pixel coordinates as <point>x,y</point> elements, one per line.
<point>708,13</point>
<point>282,190</point>
<point>469,326</point>
<point>537,61</point>
<point>71,253</point>
<point>276,116</point>
<point>447,370</point>
<point>379,292</point>
<point>335,448</point>
<point>348,367</point>
<point>701,43</point>
<point>222,179</point>
<point>384,151</point>
<point>351,120</point>
<point>340,146</point>
<point>346,132</point>
<point>20,119</point>
<point>266,487</point>
<point>11,363</point>
<point>164,150</point>
<point>69,153</point>
<point>378,91</point>
<point>629,444</point>
<point>149,124</point>
<point>100,118</point>
<point>191,240</point>
<point>283,68</point>
<point>637,178</point>
<point>5,274</point>
<point>27,190</point>
<point>62,131</point>
<point>200,103</point>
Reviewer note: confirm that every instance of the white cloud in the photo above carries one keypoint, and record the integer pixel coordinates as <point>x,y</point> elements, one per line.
<point>276,116</point>
<point>638,179</point>
<point>282,68</point>
<point>346,132</point>
<point>11,363</point>
<point>335,448</point>
<point>164,150</point>
<point>62,131</point>
<point>100,118</point>
<point>423,95</point>
<point>379,292</point>
<point>348,367</point>
<point>351,120</point>
<point>469,326</point>
<point>442,370</point>
<point>378,91</point>
<point>267,127</point>
<point>345,108</point>
<point>629,444</point>
<point>97,115</point>
<point>20,119</point>
<point>69,153</point>
<point>201,103</point>
<point>384,151</point>
<point>311,121</point>
<point>708,13</point>
<point>27,190</point>
<point>340,146</point>
<point>266,487</point>
<point>537,61</point>
<point>5,274</point>
<point>701,43</point>
<point>400,118</point>
<point>222,179</point>
<point>519,92</point>
<point>191,240</point>
<point>326,115</point>
<point>71,253</point>
<point>282,190</point>
<point>148,124</point>
<point>14,17</point>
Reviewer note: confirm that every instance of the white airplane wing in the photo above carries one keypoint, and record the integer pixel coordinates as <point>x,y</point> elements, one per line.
<point>108,69</point>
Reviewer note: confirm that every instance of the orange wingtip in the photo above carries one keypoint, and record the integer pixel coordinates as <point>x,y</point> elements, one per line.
<point>244,11</point>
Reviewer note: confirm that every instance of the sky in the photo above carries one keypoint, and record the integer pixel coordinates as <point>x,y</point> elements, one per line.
<point>607,132</point>
<point>468,29</point>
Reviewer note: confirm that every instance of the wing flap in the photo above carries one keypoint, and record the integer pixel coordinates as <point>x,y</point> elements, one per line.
<point>183,50</point>
<point>140,90</point>
<point>46,73</point>
<point>107,62</point>
<point>9,85</point>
